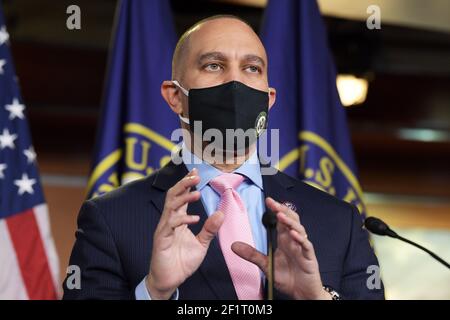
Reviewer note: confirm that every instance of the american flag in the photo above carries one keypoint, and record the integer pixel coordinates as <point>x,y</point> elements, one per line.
<point>28,259</point>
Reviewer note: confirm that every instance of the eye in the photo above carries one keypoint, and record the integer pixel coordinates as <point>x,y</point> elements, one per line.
<point>212,67</point>
<point>253,69</point>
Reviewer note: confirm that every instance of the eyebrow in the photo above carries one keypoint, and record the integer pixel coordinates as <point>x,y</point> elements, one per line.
<point>208,56</point>
<point>219,56</point>
<point>254,58</point>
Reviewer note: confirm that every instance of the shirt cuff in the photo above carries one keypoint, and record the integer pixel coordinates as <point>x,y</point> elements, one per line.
<point>142,293</point>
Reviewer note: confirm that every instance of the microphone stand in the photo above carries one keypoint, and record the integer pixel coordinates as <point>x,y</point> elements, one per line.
<point>269,221</point>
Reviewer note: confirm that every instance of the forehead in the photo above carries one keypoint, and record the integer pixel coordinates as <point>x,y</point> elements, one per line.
<point>232,37</point>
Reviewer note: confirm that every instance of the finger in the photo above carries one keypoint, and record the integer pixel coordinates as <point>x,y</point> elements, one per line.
<point>284,241</point>
<point>278,207</point>
<point>282,228</point>
<point>210,228</point>
<point>291,248</point>
<point>189,181</point>
<point>273,205</point>
<point>284,210</point>
<point>307,246</point>
<point>169,228</point>
<point>250,254</point>
<point>183,199</point>
<point>291,223</point>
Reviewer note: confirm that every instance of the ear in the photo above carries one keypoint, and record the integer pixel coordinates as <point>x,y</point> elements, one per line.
<point>172,95</point>
<point>272,97</point>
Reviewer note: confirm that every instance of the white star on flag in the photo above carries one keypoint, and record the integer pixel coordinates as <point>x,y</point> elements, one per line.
<point>4,35</point>
<point>3,166</point>
<point>7,139</point>
<point>2,63</point>
<point>15,109</point>
<point>30,154</point>
<point>25,184</point>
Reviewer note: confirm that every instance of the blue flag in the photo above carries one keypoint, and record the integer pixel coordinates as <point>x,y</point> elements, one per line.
<point>313,129</point>
<point>136,123</point>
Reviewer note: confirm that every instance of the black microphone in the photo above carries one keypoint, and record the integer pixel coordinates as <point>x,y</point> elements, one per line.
<point>379,227</point>
<point>269,221</point>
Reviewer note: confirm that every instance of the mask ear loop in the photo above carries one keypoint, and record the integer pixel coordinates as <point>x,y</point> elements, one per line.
<point>178,85</point>
<point>186,93</point>
<point>185,120</point>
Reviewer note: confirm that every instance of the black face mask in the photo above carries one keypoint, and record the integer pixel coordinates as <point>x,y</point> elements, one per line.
<point>232,105</point>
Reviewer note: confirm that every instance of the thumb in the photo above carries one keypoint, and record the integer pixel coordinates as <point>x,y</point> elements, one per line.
<point>250,254</point>
<point>210,228</point>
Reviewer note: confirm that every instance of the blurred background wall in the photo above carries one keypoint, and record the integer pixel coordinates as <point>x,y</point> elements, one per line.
<point>400,131</point>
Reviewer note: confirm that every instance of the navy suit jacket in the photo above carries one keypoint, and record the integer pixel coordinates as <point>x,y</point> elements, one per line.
<point>115,235</point>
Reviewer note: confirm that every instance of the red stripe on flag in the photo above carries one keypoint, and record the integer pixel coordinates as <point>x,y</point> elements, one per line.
<point>30,251</point>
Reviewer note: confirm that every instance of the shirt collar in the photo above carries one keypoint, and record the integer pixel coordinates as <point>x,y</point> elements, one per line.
<point>250,168</point>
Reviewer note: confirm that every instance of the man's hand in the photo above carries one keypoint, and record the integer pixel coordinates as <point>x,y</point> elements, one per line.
<point>177,252</point>
<point>296,267</point>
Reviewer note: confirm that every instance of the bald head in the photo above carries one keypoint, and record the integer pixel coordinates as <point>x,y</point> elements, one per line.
<point>218,24</point>
<point>215,51</point>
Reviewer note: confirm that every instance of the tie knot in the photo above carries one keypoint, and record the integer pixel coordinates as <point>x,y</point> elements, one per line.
<point>226,181</point>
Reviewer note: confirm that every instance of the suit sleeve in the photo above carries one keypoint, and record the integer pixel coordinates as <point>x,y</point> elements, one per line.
<point>358,282</point>
<point>96,257</point>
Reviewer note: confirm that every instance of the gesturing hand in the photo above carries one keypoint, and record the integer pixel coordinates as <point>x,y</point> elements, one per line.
<point>177,252</point>
<point>296,267</point>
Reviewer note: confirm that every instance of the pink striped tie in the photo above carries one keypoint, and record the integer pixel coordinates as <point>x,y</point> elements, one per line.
<point>236,227</point>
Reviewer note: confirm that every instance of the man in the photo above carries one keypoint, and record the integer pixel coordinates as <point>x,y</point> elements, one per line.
<point>192,230</point>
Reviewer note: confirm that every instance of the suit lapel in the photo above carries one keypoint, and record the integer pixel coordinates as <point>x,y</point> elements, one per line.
<point>166,178</point>
<point>275,186</point>
<point>213,268</point>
